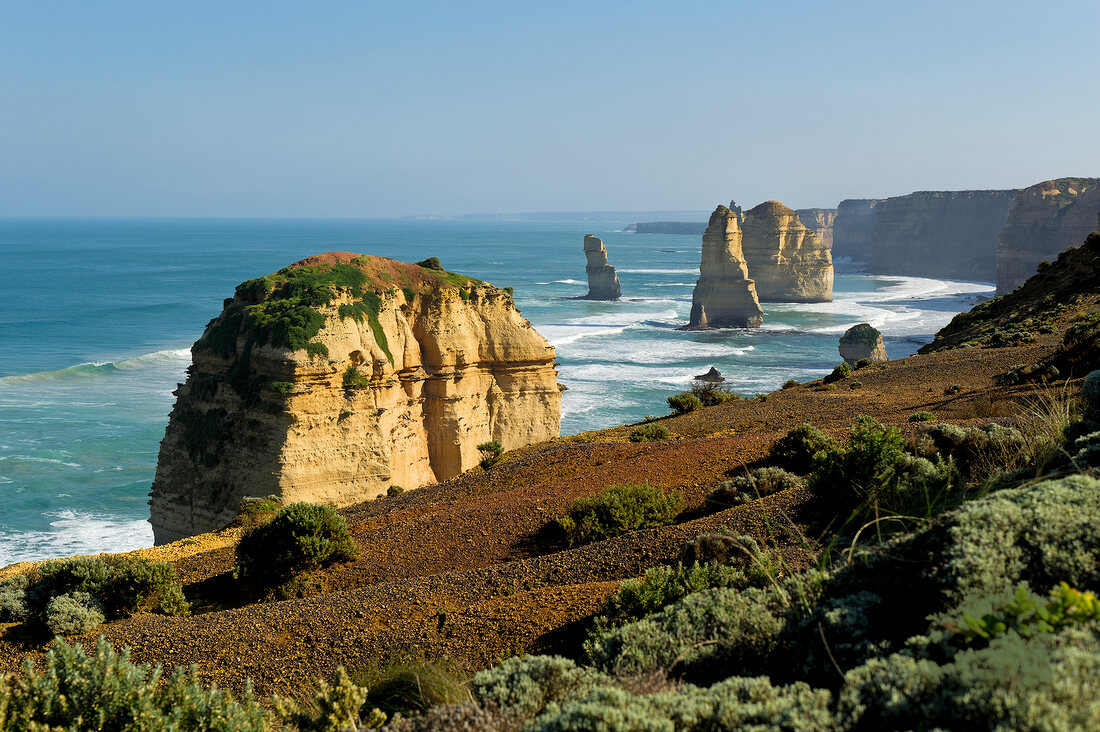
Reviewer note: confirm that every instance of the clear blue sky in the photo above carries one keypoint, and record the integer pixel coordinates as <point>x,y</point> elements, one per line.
<point>386,109</point>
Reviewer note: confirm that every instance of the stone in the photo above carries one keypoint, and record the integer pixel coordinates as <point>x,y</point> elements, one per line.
<point>853,229</point>
<point>406,376</point>
<point>820,221</point>
<point>714,376</point>
<point>603,283</point>
<point>786,260</point>
<point>724,296</point>
<point>860,342</point>
<point>1045,219</point>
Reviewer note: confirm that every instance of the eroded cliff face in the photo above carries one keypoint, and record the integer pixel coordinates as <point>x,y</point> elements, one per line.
<point>786,260</point>
<point>1045,219</point>
<point>950,234</point>
<point>724,296</point>
<point>342,375</point>
<point>853,228</point>
<point>820,221</point>
<point>603,283</point>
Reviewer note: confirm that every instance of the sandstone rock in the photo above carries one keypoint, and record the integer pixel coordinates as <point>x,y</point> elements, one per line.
<point>860,342</point>
<point>1045,219</point>
<point>820,221</point>
<point>603,283</point>
<point>724,296</point>
<point>854,228</point>
<point>714,375</point>
<point>786,260</point>
<point>408,371</point>
<point>949,234</point>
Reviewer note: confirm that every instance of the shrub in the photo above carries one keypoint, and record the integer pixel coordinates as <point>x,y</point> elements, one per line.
<point>684,402</point>
<point>105,691</point>
<point>662,586</point>
<point>253,511</point>
<point>952,390</point>
<point>862,363</point>
<point>527,685</point>
<point>842,371</point>
<point>394,490</point>
<point>795,451</point>
<point>286,388</point>
<point>454,717</point>
<point>13,599</point>
<point>619,509</point>
<point>490,453</point>
<point>1082,331</point>
<point>74,613</point>
<point>124,585</point>
<point>1027,614</point>
<point>922,416</point>
<point>757,483</point>
<point>711,393</point>
<point>979,451</point>
<point>431,263</point>
<point>413,686</point>
<point>335,708</point>
<point>301,537</point>
<point>353,379</point>
<point>1090,391</point>
<point>791,383</point>
<point>853,385</point>
<point>409,293</point>
<point>650,432</point>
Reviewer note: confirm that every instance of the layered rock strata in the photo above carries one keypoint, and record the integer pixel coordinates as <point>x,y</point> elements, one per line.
<point>1045,219</point>
<point>820,221</point>
<point>951,234</point>
<point>860,342</point>
<point>786,260</point>
<point>340,376</point>
<point>724,296</point>
<point>853,229</point>
<point>603,283</point>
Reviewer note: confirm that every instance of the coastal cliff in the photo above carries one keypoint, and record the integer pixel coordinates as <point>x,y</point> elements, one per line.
<point>344,374</point>
<point>820,221</point>
<point>949,234</point>
<point>603,283</point>
<point>853,229</point>
<point>668,227</point>
<point>1045,219</point>
<point>724,296</point>
<point>786,260</point>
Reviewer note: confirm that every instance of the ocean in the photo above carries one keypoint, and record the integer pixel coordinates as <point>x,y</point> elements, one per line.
<point>97,318</point>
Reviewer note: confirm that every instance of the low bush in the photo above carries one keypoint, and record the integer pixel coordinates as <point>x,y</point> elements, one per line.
<point>684,402</point>
<point>619,509</point>
<point>952,390</point>
<point>254,511</point>
<point>922,416</point>
<point>662,586</point>
<point>467,716</point>
<point>978,452</point>
<point>74,613</point>
<point>490,453</point>
<point>863,363</point>
<point>650,432</point>
<point>301,537</point>
<point>412,686</point>
<point>123,585</point>
<point>711,393</point>
<point>394,490</point>
<point>334,708</point>
<point>353,379</point>
<point>13,599</point>
<point>791,383</point>
<point>795,450</point>
<point>431,263</point>
<point>758,482</point>
<point>842,371</point>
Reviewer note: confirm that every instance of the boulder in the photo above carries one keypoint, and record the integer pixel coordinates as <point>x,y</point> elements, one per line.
<point>860,342</point>
<point>603,283</point>
<point>724,296</point>
<point>713,376</point>
<point>786,260</point>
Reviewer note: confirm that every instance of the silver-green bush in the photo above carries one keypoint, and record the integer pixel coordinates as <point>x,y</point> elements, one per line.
<point>757,483</point>
<point>74,613</point>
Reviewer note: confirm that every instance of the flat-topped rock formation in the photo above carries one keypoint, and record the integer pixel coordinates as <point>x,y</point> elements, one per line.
<point>1045,219</point>
<point>344,374</point>
<point>820,221</point>
<point>603,283</point>
<point>785,259</point>
<point>724,296</point>
<point>950,234</point>
<point>862,342</point>
<point>853,228</point>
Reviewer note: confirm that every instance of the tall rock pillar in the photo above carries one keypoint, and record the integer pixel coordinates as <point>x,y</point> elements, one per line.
<point>788,261</point>
<point>603,283</point>
<point>724,296</point>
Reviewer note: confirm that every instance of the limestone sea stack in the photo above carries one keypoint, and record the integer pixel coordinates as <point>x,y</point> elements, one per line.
<point>786,260</point>
<point>341,375</point>
<point>603,283</point>
<point>860,342</point>
<point>1045,219</point>
<point>724,296</point>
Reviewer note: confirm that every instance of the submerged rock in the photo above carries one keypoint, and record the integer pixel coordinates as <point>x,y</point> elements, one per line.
<point>603,283</point>
<point>788,262</point>
<point>724,296</point>
<point>860,342</point>
<point>341,375</point>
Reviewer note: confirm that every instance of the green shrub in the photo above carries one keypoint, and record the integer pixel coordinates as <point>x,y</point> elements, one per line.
<point>684,402</point>
<point>335,708</point>
<point>355,380</point>
<point>74,613</point>
<point>757,483</point>
<point>124,585</point>
<point>527,685</point>
<point>1083,331</point>
<point>650,432</point>
<point>409,293</point>
<point>253,511</point>
<point>863,363</point>
<point>710,393</point>
<point>394,490</point>
<point>842,371</point>
<point>431,263</point>
<point>301,537</point>
<point>1090,392</point>
<point>795,451</point>
<point>952,390</point>
<point>791,383</point>
<point>619,509</point>
<point>490,453</point>
<point>413,686</point>
<point>104,691</point>
<point>1027,614</point>
<point>13,599</point>
<point>466,716</point>
<point>662,586</point>
<point>286,388</point>
<point>978,451</point>
<point>922,416</point>
<point>316,350</point>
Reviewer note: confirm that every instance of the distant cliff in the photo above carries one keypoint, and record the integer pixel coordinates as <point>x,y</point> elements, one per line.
<point>668,227</point>
<point>853,229</point>
<point>939,234</point>
<point>341,375</point>
<point>1045,219</point>
<point>820,221</point>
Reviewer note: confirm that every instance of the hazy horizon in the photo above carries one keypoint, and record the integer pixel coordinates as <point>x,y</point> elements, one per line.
<point>352,110</point>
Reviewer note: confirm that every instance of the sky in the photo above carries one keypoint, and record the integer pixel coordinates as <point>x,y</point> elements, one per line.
<point>372,109</point>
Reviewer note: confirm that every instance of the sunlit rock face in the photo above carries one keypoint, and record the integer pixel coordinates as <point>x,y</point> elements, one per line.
<point>409,371</point>
<point>603,283</point>
<point>820,221</point>
<point>785,259</point>
<point>862,342</point>
<point>724,296</point>
<point>1045,219</point>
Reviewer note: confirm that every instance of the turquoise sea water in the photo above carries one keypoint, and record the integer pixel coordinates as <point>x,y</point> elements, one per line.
<point>96,319</point>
